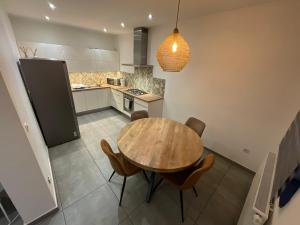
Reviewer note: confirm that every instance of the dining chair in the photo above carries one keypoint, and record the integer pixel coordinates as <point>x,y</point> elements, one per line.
<point>119,164</point>
<point>188,178</point>
<point>139,115</point>
<point>197,125</point>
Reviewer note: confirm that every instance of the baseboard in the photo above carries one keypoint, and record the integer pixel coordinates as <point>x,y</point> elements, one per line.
<point>233,162</point>
<point>93,111</point>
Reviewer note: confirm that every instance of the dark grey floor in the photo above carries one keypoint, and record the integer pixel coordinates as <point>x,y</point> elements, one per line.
<point>87,198</point>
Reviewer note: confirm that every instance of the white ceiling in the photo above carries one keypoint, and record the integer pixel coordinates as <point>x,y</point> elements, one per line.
<point>97,14</point>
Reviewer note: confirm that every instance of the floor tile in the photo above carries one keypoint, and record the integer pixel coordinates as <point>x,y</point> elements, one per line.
<point>126,222</point>
<point>99,207</point>
<point>134,193</point>
<point>193,205</point>
<point>55,219</point>
<point>235,185</point>
<point>76,175</point>
<point>161,210</point>
<point>219,212</point>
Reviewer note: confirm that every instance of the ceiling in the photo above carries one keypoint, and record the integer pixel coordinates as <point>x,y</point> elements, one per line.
<point>97,14</point>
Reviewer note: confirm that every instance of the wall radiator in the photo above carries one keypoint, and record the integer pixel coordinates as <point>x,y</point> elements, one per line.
<point>262,200</point>
<point>256,209</point>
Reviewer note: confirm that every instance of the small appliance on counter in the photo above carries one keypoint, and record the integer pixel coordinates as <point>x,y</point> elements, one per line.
<point>114,81</point>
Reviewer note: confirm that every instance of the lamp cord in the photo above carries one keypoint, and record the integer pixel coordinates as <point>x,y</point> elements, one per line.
<point>177,13</point>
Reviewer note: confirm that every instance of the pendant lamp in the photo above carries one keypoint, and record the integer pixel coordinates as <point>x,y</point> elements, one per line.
<point>174,53</point>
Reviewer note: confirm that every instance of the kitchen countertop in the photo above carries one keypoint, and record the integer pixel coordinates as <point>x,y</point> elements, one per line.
<point>146,97</point>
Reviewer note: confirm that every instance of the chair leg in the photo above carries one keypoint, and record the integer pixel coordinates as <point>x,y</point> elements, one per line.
<point>111,176</point>
<point>181,205</point>
<point>123,187</point>
<point>195,191</point>
<point>146,177</point>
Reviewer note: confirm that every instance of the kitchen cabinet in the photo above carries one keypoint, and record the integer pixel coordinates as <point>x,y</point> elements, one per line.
<point>154,108</point>
<point>79,101</point>
<point>78,59</point>
<point>87,100</point>
<point>140,105</point>
<point>117,100</point>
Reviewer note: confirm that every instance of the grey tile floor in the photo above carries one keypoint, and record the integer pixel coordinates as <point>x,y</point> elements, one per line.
<point>87,198</point>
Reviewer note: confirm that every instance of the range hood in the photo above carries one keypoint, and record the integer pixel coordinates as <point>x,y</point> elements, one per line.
<point>140,45</point>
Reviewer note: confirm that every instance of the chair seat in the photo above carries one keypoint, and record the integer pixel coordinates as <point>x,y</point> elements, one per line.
<point>129,168</point>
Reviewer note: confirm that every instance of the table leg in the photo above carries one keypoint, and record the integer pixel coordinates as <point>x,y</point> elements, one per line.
<point>151,186</point>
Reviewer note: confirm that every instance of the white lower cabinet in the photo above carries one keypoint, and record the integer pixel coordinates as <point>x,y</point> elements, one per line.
<point>140,105</point>
<point>79,101</point>
<point>154,108</point>
<point>117,100</point>
<point>87,100</point>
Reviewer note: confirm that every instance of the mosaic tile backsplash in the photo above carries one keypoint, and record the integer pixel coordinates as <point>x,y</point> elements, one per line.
<point>92,78</point>
<point>142,79</point>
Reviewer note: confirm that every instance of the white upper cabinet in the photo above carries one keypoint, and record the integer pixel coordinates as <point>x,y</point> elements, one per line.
<point>78,59</point>
<point>106,60</point>
<point>41,50</point>
<point>77,53</point>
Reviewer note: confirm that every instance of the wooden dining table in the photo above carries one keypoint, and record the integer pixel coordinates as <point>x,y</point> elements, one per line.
<point>159,145</point>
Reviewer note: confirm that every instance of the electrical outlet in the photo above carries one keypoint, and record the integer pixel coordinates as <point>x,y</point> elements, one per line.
<point>247,151</point>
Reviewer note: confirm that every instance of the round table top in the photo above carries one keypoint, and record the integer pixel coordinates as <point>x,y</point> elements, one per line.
<point>160,145</point>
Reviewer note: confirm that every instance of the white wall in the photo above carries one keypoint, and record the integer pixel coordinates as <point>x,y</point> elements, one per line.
<point>47,32</point>
<point>242,80</point>
<point>24,161</point>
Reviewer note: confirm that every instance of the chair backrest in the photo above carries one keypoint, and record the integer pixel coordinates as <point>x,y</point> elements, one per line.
<point>198,170</point>
<point>139,115</point>
<point>197,125</point>
<point>114,161</point>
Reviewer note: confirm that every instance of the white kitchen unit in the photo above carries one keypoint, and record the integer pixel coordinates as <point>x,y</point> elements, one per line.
<point>154,108</point>
<point>87,100</point>
<point>78,59</point>
<point>93,99</point>
<point>117,99</point>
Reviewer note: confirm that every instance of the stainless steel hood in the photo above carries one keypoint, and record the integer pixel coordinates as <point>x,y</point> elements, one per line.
<point>140,46</point>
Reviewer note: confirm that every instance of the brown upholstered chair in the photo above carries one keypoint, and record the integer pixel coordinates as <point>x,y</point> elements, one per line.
<point>119,164</point>
<point>197,125</point>
<point>188,178</point>
<point>139,115</point>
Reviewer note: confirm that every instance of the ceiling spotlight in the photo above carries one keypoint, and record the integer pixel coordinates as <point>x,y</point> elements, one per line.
<point>47,18</point>
<point>52,6</point>
<point>150,16</point>
<point>122,25</point>
<point>105,30</point>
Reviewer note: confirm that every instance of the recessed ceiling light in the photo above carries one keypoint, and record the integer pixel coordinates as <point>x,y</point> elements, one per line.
<point>122,24</point>
<point>150,16</point>
<point>105,30</point>
<point>47,18</point>
<point>52,6</point>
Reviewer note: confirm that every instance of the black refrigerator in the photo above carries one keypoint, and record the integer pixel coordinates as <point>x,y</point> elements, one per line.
<point>48,87</point>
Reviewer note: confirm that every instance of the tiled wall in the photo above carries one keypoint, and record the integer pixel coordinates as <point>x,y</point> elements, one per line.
<point>142,79</point>
<point>91,78</point>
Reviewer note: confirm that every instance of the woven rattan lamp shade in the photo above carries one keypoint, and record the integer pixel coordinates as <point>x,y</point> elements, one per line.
<point>174,53</point>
